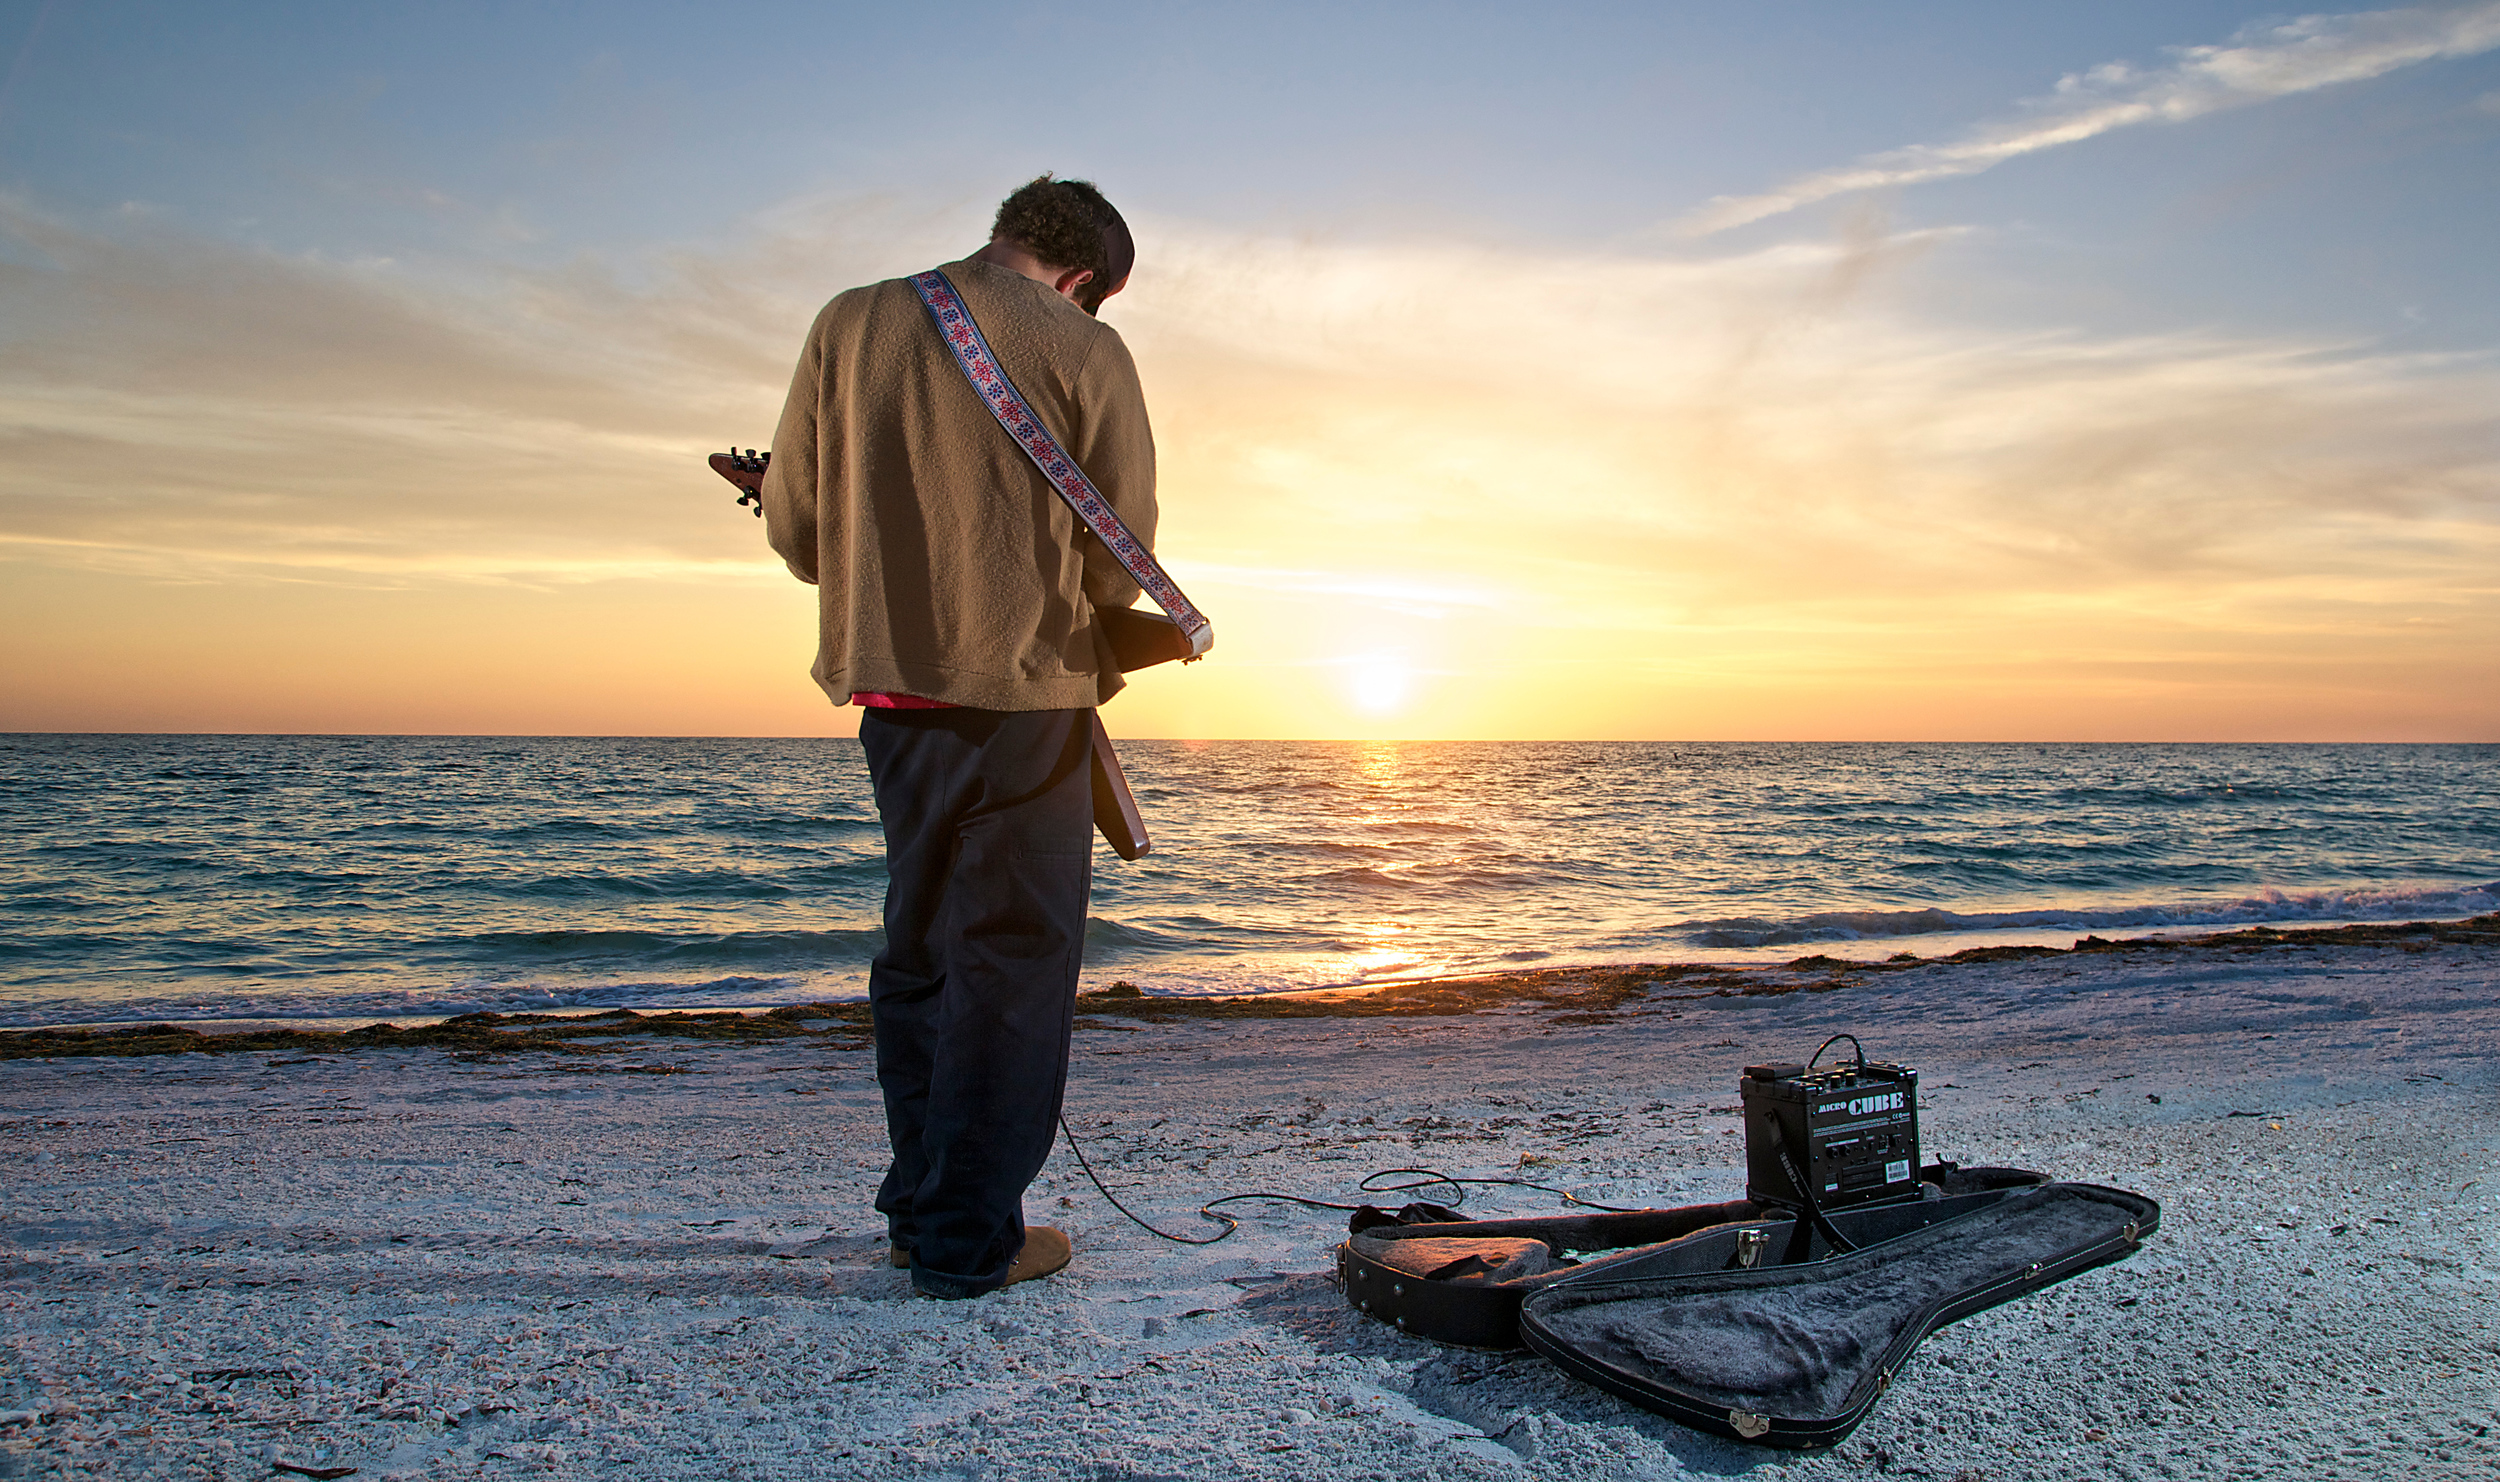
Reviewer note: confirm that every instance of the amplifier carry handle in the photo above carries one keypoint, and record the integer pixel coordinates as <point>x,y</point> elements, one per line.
<point>1836,1039</point>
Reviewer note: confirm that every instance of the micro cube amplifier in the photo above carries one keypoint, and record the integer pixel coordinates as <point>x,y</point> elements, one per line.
<point>1850,1131</point>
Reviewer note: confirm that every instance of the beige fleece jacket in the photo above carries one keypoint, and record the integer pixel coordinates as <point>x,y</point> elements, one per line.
<point>945,564</point>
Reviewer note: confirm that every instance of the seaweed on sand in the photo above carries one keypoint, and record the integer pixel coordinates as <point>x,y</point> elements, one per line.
<point>496,1034</point>
<point>1566,995</point>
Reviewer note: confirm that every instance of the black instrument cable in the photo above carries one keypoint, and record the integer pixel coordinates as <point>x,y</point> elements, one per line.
<point>1813,1217</point>
<point>1423,1178</point>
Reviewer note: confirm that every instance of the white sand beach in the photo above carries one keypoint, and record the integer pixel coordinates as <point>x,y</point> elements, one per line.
<point>661,1262</point>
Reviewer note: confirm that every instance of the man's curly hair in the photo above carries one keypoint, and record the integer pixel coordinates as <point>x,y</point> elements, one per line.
<point>1062,223</point>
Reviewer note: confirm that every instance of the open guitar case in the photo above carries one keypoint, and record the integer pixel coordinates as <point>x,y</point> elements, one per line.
<point>1742,1318</point>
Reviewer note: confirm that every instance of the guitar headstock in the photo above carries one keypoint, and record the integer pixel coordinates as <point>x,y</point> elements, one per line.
<point>746,470</point>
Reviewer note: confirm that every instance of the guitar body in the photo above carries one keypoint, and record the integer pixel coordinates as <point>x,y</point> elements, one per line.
<point>1115,810</point>
<point>1142,639</point>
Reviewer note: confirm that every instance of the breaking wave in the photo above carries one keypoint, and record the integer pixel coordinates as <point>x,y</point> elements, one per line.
<point>2266,908</point>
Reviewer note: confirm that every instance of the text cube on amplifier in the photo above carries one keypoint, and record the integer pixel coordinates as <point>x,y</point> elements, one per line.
<point>1851,1131</point>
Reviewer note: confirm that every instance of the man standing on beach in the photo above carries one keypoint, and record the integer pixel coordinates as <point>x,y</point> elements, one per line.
<point>956,598</point>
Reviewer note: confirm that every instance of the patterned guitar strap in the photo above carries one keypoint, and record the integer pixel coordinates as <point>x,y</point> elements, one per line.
<point>1007,404</point>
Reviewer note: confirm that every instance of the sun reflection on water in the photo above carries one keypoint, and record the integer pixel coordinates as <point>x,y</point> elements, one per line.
<point>1383,952</point>
<point>1381,763</point>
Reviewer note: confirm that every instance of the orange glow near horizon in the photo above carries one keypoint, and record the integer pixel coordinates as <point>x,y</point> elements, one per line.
<point>1697,512</point>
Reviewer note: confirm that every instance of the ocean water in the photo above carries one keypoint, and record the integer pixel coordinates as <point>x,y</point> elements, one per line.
<point>226,877</point>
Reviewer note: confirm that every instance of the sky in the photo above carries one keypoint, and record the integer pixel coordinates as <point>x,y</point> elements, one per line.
<point>2120,371</point>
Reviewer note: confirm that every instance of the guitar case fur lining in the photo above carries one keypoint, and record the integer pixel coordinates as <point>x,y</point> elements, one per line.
<point>1796,1356</point>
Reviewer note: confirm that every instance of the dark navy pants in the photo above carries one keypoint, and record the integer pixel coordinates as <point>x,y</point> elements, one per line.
<point>989,823</point>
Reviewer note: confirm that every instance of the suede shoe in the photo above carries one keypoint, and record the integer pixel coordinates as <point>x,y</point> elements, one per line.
<point>1045,1252</point>
<point>898,1257</point>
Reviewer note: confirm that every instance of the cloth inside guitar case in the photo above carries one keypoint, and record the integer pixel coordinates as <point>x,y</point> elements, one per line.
<point>1795,1356</point>
<point>1437,1274</point>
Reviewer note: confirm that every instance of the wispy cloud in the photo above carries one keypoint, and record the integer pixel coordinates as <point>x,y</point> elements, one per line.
<point>2261,63</point>
<point>173,403</point>
<point>1759,472</point>
<point>176,405</point>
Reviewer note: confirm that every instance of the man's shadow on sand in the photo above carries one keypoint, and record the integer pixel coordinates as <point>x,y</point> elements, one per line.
<point>847,1266</point>
<point>1508,1397</point>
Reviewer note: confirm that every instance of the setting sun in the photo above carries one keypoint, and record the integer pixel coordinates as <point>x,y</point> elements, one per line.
<point>1379,684</point>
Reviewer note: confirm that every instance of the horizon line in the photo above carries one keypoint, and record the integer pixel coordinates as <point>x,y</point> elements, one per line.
<point>1279,740</point>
